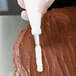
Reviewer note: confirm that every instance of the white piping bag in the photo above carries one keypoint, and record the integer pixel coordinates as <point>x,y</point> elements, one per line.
<point>32,8</point>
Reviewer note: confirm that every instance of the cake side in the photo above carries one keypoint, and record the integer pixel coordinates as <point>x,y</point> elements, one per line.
<point>58,43</point>
<point>16,59</point>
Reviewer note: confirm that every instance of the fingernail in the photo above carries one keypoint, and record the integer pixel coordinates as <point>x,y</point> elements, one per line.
<point>41,10</point>
<point>23,16</point>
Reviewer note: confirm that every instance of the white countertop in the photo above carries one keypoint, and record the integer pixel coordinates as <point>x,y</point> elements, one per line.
<point>10,27</point>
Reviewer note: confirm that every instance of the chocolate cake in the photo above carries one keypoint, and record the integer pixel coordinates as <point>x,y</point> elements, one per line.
<point>58,43</point>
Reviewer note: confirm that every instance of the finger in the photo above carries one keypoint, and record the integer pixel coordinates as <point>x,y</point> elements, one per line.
<point>21,3</point>
<point>42,6</point>
<point>50,3</point>
<point>47,5</point>
<point>44,12</point>
<point>24,15</point>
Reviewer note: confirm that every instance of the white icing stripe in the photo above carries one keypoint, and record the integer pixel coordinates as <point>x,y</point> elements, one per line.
<point>39,58</point>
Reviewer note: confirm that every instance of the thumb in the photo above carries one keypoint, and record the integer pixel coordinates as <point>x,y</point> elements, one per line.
<point>21,3</point>
<point>24,15</point>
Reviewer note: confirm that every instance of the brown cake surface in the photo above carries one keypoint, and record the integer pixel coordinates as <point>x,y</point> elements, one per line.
<point>58,42</point>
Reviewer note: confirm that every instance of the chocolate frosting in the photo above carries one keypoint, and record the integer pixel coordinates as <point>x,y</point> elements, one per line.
<point>58,43</point>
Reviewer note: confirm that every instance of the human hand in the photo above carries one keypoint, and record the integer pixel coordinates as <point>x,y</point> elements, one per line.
<point>43,6</point>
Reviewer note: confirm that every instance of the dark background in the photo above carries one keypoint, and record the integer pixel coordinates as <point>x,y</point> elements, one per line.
<point>15,9</point>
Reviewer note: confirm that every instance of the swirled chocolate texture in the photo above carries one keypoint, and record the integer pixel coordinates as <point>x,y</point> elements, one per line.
<point>58,43</point>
